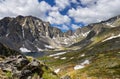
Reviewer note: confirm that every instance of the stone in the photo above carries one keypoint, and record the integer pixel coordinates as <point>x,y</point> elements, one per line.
<point>66,77</point>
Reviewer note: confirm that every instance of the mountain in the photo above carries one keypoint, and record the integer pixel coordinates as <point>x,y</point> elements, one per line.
<point>31,34</point>
<point>91,51</point>
<point>97,29</point>
<point>94,56</point>
<point>27,33</point>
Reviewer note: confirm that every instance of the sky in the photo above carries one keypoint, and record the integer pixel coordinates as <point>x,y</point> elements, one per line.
<point>63,14</point>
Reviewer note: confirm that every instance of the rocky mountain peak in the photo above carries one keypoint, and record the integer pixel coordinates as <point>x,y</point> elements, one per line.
<point>31,33</point>
<point>68,33</point>
<point>27,30</point>
<point>78,31</point>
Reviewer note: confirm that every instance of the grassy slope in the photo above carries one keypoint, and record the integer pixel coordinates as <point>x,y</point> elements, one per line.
<point>104,57</point>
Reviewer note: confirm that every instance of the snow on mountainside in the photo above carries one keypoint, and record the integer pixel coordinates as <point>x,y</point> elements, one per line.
<point>92,48</point>
<point>37,35</point>
<point>108,24</point>
<point>22,49</point>
<point>57,54</point>
<point>112,37</point>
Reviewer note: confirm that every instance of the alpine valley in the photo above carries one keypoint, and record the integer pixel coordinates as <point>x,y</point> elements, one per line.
<point>32,49</point>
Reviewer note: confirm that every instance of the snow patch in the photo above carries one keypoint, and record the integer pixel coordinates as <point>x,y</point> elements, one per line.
<point>44,24</point>
<point>82,55</point>
<point>108,24</point>
<point>23,49</point>
<point>118,52</point>
<point>56,57</point>
<point>85,34</point>
<point>78,67</point>
<point>54,38</point>
<point>39,49</point>
<point>7,35</point>
<point>39,23</point>
<point>65,41</point>
<point>57,70</point>
<point>111,38</point>
<point>60,53</point>
<point>71,57</point>
<point>63,58</point>
<point>85,62</point>
<point>82,65</point>
<point>48,46</point>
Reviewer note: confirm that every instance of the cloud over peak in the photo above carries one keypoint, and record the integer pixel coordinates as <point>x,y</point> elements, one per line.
<point>83,11</point>
<point>97,11</point>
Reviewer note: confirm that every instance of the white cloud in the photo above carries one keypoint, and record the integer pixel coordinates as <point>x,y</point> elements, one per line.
<point>63,27</point>
<point>87,2</point>
<point>23,7</point>
<point>102,10</point>
<point>93,12</point>
<point>56,18</point>
<point>84,15</point>
<point>62,4</point>
<point>13,8</point>
<point>73,1</point>
<point>74,26</point>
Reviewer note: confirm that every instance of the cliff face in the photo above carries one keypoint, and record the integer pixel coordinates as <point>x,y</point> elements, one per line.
<point>31,34</point>
<point>26,32</point>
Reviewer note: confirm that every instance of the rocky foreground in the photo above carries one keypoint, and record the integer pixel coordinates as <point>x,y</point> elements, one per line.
<point>21,68</point>
<point>14,65</point>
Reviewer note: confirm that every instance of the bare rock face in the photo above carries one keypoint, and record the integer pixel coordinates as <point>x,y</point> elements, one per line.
<point>31,34</point>
<point>26,32</point>
<point>68,33</point>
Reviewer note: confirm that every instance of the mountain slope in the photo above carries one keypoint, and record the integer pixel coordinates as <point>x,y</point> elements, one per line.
<point>97,55</point>
<point>92,51</point>
<point>30,34</point>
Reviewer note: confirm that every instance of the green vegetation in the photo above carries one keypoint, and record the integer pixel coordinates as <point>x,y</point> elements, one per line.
<point>9,75</point>
<point>103,56</point>
<point>48,74</point>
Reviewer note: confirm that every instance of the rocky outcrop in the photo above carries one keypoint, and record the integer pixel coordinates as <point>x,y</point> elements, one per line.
<point>14,65</point>
<point>20,67</point>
